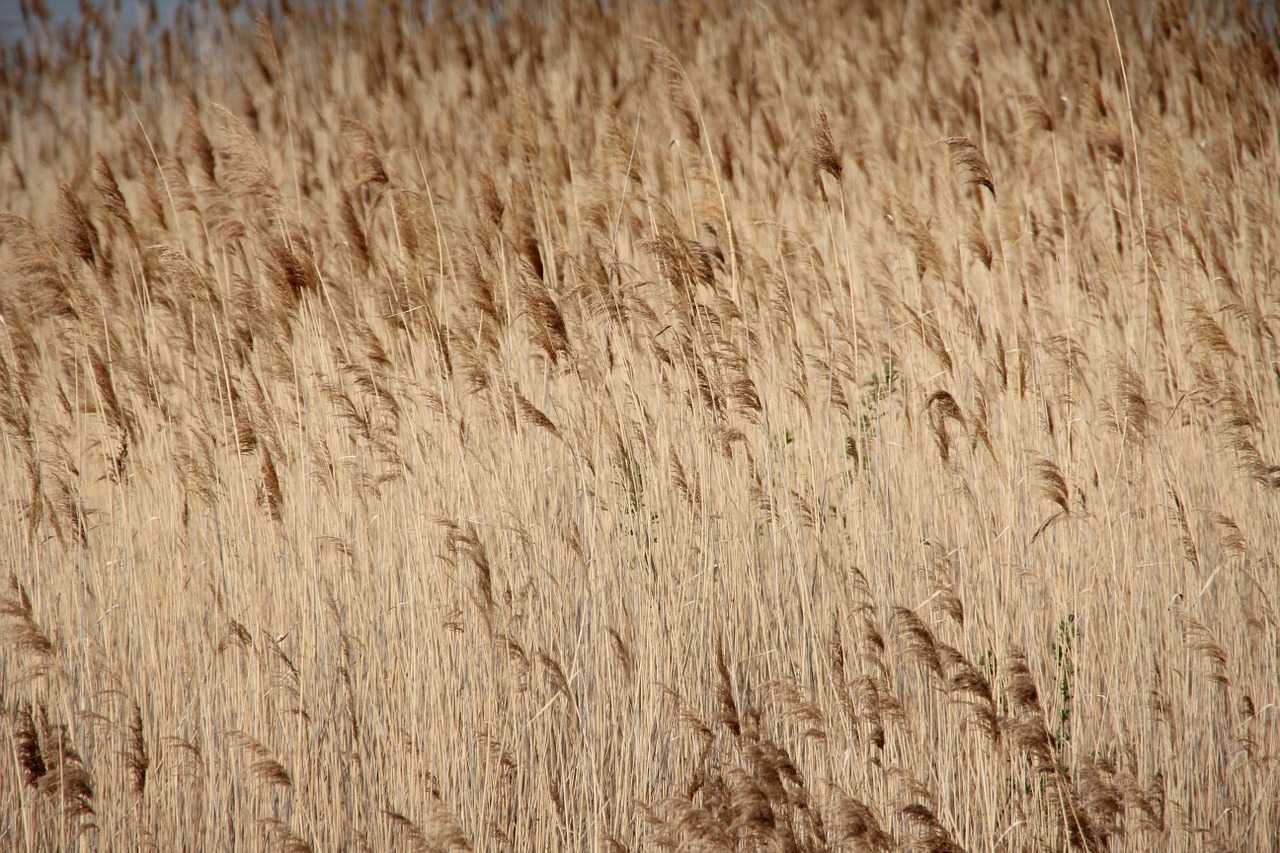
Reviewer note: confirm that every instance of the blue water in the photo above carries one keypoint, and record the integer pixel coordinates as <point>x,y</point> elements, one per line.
<point>127,15</point>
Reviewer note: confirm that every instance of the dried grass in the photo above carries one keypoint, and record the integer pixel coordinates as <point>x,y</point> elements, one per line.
<point>505,421</point>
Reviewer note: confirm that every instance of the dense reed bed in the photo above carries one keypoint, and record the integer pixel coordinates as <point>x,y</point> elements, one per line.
<point>712,427</point>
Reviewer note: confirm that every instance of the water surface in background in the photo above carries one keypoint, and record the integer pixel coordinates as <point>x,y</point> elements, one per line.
<point>127,13</point>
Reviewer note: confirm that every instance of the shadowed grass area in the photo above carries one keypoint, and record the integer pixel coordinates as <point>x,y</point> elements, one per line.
<point>712,427</point>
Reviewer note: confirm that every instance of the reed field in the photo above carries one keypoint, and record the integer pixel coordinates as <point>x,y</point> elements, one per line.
<point>641,427</point>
